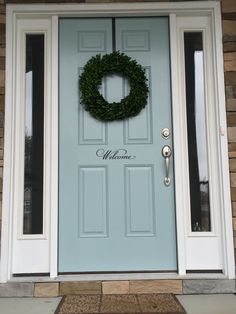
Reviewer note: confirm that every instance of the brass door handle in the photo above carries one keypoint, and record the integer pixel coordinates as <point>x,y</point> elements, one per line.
<point>166,153</point>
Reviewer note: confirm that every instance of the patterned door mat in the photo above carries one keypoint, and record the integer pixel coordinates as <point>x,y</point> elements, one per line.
<point>116,304</point>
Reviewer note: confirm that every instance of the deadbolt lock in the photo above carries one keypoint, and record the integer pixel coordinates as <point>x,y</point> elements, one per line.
<point>165,133</point>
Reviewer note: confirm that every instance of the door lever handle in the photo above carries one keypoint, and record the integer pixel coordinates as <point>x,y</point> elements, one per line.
<point>166,153</point>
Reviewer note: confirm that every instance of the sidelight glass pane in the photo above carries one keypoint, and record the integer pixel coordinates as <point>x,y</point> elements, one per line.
<point>197,136</point>
<point>34,124</point>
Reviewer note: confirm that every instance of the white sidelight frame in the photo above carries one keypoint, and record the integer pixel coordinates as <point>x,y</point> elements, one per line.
<point>179,14</point>
<point>198,243</point>
<point>38,244</point>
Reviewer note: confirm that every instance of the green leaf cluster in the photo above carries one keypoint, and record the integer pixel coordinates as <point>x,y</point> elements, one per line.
<point>91,79</point>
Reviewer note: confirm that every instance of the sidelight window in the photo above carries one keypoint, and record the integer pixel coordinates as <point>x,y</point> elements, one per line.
<point>34,126</point>
<point>197,134</point>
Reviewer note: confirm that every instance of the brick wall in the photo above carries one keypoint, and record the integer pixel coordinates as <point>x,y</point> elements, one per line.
<point>229,40</point>
<point>2,93</point>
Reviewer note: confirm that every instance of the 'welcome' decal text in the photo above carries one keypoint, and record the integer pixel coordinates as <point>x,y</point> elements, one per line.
<point>114,154</point>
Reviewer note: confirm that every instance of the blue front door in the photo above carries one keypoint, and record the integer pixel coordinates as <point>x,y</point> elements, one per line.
<point>115,214</point>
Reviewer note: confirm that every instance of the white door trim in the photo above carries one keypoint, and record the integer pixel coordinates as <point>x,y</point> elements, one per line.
<point>178,153</point>
<point>52,12</point>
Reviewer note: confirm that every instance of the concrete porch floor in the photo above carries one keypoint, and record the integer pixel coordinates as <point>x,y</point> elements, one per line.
<point>193,304</point>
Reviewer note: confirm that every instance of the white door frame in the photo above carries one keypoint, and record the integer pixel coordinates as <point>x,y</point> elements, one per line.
<point>11,192</point>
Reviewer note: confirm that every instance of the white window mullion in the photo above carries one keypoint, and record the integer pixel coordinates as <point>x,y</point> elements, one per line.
<point>180,145</point>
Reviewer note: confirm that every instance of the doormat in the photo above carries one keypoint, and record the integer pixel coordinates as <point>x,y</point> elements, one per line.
<point>116,304</point>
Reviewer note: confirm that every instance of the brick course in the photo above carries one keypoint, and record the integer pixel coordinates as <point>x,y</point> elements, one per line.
<point>53,289</point>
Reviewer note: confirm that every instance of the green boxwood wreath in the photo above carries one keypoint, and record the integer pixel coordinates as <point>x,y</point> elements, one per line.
<point>91,79</point>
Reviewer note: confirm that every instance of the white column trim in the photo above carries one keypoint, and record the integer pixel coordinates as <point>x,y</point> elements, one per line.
<point>6,236</point>
<point>226,214</point>
<point>179,142</point>
<point>108,9</point>
<point>54,151</point>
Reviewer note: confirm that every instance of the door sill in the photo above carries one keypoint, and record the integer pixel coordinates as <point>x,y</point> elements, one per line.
<point>120,276</point>
<point>117,272</point>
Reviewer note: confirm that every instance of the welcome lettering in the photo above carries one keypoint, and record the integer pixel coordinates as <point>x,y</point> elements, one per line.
<point>114,154</point>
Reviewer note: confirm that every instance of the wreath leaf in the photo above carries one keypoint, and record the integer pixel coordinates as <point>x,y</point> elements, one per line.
<point>91,79</point>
